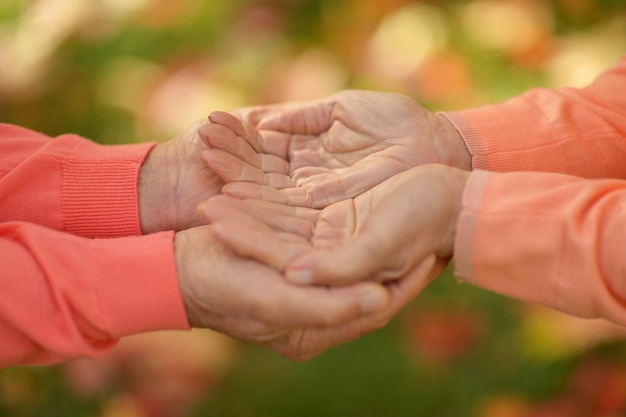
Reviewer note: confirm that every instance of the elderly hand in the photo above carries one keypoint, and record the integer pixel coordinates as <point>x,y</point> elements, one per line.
<point>173,180</point>
<point>252,302</point>
<point>316,153</point>
<point>386,233</point>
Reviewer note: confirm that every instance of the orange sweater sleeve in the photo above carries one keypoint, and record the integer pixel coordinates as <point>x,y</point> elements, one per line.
<point>572,131</point>
<point>548,238</point>
<point>66,290</point>
<point>64,296</point>
<point>69,183</point>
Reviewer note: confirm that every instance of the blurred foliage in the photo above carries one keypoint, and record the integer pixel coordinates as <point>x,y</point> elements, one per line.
<point>120,71</point>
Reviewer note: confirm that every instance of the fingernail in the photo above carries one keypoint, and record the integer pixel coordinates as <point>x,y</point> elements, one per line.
<point>372,302</point>
<point>300,276</point>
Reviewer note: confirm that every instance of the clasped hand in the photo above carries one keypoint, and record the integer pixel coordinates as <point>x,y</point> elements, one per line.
<point>342,192</point>
<point>235,295</point>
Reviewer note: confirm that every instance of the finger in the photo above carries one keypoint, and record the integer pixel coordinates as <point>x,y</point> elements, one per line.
<point>249,237</point>
<point>243,130</point>
<point>323,307</point>
<point>308,118</point>
<point>276,143</point>
<point>269,142</point>
<point>330,185</point>
<point>404,290</point>
<point>221,137</point>
<point>356,260</point>
<point>297,197</point>
<point>401,293</point>
<point>232,169</point>
<point>274,214</point>
<point>283,218</point>
<point>316,340</point>
<point>263,245</point>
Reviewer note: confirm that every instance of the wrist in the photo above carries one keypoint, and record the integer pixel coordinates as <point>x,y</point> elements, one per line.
<point>451,145</point>
<point>456,182</point>
<point>182,258</point>
<point>154,178</point>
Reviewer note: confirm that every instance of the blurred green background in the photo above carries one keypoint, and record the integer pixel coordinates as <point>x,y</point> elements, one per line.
<point>119,71</point>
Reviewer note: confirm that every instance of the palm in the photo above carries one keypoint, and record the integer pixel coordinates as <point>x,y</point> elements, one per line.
<point>346,156</point>
<point>396,225</point>
<point>336,148</point>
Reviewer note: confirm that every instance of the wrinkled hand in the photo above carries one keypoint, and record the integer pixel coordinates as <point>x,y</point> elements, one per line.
<point>253,302</point>
<point>387,233</point>
<point>316,153</point>
<point>173,180</point>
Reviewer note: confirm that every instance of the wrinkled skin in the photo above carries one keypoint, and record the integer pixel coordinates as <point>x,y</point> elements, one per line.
<point>313,154</point>
<point>383,234</point>
<point>253,302</point>
<point>173,180</point>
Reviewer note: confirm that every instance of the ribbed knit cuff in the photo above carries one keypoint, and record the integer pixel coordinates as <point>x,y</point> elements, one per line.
<point>466,224</point>
<point>517,135</point>
<point>99,195</point>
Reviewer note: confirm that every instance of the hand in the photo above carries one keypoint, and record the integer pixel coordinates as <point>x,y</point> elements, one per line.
<point>173,180</point>
<point>386,233</point>
<point>316,153</point>
<point>252,302</point>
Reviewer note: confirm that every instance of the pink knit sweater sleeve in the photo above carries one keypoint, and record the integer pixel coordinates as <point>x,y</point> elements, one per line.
<point>572,131</point>
<point>548,238</point>
<point>66,289</point>
<point>69,183</point>
<point>545,237</point>
<point>64,296</point>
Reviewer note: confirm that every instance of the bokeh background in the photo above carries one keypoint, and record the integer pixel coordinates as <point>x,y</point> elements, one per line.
<point>120,71</point>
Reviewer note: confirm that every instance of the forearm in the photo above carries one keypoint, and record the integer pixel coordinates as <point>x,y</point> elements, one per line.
<point>546,238</point>
<point>578,132</point>
<point>63,296</point>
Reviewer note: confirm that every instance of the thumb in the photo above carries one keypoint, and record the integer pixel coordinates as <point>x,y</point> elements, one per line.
<point>306,118</point>
<point>357,260</point>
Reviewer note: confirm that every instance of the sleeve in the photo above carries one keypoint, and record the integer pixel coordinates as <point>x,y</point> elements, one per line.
<point>579,132</point>
<point>63,296</point>
<point>69,183</point>
<point>546,238</point>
